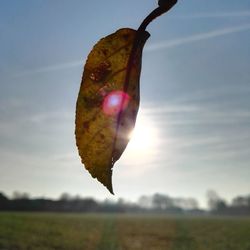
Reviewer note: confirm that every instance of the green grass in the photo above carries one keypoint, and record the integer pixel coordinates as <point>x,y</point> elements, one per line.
<point>47,231</point>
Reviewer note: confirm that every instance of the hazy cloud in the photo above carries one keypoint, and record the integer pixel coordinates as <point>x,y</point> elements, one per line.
<point>46,117</point>
<point>191,114</point>
<point>49,68</point>
<point>152,109</point>
<point>214,132</point>
<point>224,14</point>
<point>152,47</point>
<point>197,37</point>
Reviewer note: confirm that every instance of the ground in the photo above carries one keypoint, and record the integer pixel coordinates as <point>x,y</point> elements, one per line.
<point>50,231</point>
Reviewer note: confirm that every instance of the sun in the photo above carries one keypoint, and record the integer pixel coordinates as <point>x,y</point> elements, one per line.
<point>144,137</point>
<point>143,148</point>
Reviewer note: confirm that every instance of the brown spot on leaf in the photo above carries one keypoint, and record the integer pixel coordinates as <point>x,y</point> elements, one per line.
<point>105,52</point>
<point>100,72</point>
<point>86,125</point>
<point>125,36</point>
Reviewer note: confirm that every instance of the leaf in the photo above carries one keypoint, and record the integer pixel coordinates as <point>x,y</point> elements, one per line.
<point>108,101</point>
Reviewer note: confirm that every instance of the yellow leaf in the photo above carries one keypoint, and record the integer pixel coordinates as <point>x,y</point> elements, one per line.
<point>108,101</point>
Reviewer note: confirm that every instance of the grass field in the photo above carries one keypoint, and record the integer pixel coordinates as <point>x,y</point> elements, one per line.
<point>47,231</point>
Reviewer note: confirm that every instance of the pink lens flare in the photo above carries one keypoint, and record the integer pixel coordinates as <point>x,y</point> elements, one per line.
<point>115,102</point>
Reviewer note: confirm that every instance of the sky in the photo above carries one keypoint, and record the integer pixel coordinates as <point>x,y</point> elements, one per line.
<point>193,129</point>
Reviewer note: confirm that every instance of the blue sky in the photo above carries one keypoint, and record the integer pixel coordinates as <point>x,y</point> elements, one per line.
<point>195,105</point>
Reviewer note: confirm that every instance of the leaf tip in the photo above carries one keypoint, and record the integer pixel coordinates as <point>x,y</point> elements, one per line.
<point>106,180</point>
<point>110,189</point>
<point>109,185</point>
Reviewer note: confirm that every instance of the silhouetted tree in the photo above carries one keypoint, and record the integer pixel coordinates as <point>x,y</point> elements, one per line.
<point>161,202</point>
<point>186,203</point>
<point>4,202</point>
<point>145,202</point>
<point>154,203</point>
<point>240,201</point>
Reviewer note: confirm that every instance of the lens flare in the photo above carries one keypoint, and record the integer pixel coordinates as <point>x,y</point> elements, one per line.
<point>115,102</point>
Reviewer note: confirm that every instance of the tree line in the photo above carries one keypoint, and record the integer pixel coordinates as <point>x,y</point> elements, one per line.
<point>156,203</point>
<point>240,205</point>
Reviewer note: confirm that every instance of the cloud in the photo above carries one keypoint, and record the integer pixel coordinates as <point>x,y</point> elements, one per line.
<point>151,109</point>
<point>49,68</point>
<point>200,133</point>
<point>197,37</point>
<point>67,158</point>
<point>242,13</point>
<point>49,117</point>
<point>149,48</point>
<point>188,114</point>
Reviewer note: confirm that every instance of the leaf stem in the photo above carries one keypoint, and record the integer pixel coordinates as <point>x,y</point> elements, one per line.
<point>155,13</point>
<point>164,6</point>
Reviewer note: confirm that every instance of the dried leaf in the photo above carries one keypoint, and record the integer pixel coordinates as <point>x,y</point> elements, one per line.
<point>108,101</point>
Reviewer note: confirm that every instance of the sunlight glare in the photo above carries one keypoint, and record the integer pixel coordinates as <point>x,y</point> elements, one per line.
<point>144,137</point>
